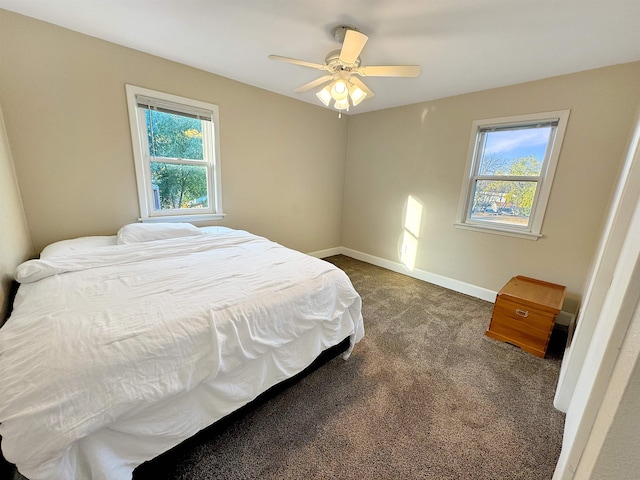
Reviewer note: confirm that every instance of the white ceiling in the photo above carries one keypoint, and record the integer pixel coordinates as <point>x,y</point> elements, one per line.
<point>461,45</point>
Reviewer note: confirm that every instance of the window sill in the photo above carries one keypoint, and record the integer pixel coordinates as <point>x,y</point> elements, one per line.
<point>498,231</point>
<point>183,218</point>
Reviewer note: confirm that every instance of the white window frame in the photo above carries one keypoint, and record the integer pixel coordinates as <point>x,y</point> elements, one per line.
<point>533,231</point>
<point>142,159</point>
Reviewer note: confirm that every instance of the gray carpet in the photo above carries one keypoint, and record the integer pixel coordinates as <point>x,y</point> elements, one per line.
<point>425,395</point>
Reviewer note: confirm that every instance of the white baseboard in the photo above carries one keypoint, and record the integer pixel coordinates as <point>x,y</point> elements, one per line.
<point>446,282</point>
<point>563,318</point>
<point>329,252</point>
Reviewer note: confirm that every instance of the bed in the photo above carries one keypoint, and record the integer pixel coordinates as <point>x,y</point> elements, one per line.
<point>118,348</point>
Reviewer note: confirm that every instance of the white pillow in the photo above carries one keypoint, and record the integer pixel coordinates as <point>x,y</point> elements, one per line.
<point>216,229</point>
<point>75,245</point>
<point>147,232</point>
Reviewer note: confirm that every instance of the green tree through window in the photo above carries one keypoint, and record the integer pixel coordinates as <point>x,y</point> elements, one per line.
<point>519,195</point>
<point>523,193</point>
<point>172,136</point>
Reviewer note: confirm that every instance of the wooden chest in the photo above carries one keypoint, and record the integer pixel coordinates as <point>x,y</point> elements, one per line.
<point>525,312</point>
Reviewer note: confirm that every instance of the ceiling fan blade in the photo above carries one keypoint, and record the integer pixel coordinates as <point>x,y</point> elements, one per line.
<point>360,84</point>
<point>298,62</point>
<point>389,71</point>
<point>315,83</point>
<point>352,46</point>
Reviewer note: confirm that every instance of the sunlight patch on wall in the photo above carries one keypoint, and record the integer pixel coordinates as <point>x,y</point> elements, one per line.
<point>412,222</point>
<point>409,250</point>
<point>413,217</point>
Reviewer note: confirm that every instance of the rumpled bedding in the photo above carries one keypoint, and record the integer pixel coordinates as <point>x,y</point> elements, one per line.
<point>100,338</point>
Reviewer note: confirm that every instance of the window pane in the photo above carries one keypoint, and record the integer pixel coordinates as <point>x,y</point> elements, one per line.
<point>174,136</point>
<point>514,152</point>
<point>503,202</point>
<point>179,186</point>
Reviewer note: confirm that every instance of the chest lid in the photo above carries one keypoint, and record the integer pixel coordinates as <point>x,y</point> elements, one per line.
<point>535,293</point>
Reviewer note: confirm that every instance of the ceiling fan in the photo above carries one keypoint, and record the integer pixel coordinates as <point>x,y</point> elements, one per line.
<point>344,67</point>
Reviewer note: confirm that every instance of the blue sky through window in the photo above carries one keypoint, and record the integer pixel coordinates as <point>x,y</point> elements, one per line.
<point>513,144</point>
<point>503,149</point>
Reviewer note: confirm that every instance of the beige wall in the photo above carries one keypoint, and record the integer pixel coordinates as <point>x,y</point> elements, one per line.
<point>421,150</point>
<point>63,94</point>
<point>15,242</point>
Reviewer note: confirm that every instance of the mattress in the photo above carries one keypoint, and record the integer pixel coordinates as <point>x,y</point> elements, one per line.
<point>116,353</point>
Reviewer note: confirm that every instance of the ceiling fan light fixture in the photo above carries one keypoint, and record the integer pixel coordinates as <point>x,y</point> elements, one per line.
<point>324,95</point>
<point>357,94</point>
<point>342,104</point>
<point>339,90</point>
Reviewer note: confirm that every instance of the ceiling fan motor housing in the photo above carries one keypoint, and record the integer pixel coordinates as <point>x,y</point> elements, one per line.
<point>335,64</point>
<point>339,31</point>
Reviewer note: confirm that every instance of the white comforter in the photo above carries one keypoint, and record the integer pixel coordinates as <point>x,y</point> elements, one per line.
<point>104,337</point>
